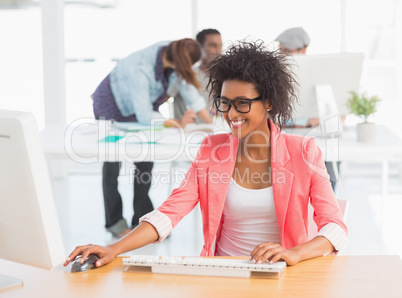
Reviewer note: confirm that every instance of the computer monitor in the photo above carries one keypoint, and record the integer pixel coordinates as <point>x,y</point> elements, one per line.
<point>320,74</point>
<point>29,226</point>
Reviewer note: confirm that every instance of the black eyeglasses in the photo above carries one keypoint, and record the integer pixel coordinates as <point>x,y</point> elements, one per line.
<point>223,105</point>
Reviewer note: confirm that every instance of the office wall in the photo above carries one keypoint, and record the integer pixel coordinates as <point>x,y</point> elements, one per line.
<point>265,20</point>
<point>21,76</point>
<point>99,32</point>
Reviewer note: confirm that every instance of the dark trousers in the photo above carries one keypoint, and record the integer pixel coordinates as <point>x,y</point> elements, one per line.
<point>331,172</point>
<point>105,107</point>
<point>113,203</point>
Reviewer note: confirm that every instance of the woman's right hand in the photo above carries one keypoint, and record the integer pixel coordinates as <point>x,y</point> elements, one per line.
<point>105,253</point>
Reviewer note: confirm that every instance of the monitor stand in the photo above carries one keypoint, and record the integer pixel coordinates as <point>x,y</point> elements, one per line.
<point>330,124</point>
<point>328,112</point>
<point>8,282</point>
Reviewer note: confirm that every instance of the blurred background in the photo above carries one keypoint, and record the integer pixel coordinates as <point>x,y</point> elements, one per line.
<point>90,36</point>
<point>96,33</point>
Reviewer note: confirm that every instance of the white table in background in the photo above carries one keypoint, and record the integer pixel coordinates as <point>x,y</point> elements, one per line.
<point>81,144</point>
<point>387,148</point>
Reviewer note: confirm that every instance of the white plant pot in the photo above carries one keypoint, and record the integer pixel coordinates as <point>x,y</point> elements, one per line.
<point>366,132</point>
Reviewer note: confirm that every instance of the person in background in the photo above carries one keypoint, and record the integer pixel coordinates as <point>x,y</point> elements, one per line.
<point>253,184</point>
<point>295,41</point>
<point>211,46</point>
<point>133,92</point>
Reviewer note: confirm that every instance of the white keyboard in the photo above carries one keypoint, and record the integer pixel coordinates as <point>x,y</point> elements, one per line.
<point>203,266</point>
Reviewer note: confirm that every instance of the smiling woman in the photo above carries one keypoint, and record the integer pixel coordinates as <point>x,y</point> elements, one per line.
<point>254,184</point>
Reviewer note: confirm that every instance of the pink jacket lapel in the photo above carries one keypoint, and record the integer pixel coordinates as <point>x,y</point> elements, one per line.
<point>282,179</point>
<point>219,175</point>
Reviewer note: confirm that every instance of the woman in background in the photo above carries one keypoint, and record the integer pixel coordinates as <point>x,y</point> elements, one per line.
<point>133,92</point>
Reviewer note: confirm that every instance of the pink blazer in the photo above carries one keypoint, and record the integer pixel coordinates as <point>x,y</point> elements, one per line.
<point>298,176</point>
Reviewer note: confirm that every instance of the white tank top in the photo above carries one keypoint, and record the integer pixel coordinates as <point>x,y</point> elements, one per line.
<point>249,219</point>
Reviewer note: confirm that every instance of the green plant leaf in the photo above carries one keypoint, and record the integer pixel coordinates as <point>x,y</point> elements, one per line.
<point>362,105</point>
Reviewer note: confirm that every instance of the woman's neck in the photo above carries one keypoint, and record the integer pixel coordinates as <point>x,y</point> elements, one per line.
<point>257,146</point>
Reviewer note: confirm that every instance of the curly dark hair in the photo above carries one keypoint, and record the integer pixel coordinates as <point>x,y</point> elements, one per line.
<point>269,71</point>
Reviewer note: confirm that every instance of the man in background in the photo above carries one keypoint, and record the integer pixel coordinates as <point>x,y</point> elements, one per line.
<point>295,41</point>
<point>211,45</point>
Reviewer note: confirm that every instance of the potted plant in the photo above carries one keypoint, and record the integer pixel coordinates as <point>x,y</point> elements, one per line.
<point>363,106</point>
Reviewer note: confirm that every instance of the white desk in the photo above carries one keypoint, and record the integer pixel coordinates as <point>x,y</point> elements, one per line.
<point>386,149</point>
<point>81,143</point>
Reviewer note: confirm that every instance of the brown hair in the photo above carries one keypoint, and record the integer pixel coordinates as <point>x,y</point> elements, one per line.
<point>183,53</point>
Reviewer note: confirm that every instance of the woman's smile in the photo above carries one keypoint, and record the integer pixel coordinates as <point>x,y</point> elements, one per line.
<point>236,123</point>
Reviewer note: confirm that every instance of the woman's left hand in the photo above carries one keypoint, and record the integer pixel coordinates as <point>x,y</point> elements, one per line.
<point>273,252</point>
<point>188,117</point>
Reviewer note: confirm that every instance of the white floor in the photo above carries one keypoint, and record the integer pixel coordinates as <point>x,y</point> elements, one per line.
<point>374,222</point>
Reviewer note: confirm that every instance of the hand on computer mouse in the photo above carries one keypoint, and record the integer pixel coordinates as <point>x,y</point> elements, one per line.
<point>87,264</point>
<point>105,254</point>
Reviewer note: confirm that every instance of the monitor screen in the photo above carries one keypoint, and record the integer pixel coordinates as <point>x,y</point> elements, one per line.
<point>29,227</point>
<point>340,71</point>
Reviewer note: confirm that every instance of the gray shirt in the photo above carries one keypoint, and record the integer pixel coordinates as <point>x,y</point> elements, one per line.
<point>180,106</point>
